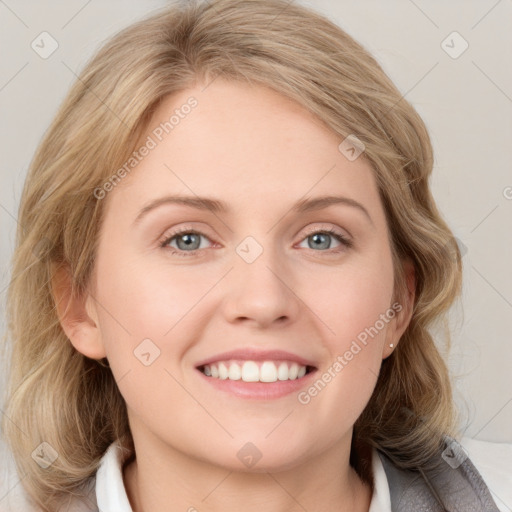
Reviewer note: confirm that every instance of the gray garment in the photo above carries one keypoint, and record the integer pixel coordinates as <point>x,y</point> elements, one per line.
<point>452,484</point>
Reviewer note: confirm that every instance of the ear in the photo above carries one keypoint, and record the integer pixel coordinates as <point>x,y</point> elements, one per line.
<point>403,316</point>
<point>77,314</point>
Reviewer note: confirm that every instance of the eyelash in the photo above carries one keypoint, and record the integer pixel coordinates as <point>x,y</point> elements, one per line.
<point>163,244</point>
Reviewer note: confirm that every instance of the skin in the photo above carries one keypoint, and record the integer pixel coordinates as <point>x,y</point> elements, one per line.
<point>260,153</point>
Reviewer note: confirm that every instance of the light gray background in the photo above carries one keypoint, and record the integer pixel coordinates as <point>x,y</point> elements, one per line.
<point>465,101</point>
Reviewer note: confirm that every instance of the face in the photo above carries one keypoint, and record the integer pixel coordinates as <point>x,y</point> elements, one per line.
<point>261,315</point>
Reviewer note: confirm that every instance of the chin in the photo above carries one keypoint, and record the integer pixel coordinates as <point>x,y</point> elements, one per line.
<point>258,456</point>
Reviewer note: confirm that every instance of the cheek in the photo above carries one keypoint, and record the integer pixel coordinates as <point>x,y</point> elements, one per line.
<point>152,315</point>
<point>351,305</point>
<point>350,299</point>
<point>148,319</point>
<point>146,300</point>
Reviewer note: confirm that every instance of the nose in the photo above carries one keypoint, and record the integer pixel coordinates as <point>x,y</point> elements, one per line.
<point>261,293</point>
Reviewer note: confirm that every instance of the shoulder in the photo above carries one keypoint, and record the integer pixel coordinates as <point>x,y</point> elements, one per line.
<point>450,481</point>
<point>494,462</point>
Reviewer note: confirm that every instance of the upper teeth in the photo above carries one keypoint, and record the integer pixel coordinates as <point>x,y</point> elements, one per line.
<point>252,371</point>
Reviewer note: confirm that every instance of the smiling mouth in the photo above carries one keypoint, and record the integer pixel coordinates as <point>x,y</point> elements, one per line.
<point>256,371</point>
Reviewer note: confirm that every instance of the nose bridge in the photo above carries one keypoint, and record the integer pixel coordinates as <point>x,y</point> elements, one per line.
<point>259,283</point>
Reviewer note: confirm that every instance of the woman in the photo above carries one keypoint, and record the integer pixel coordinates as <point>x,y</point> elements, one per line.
<point>284,362</point>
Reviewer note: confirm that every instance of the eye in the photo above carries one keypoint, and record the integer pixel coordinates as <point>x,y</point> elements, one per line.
<point>321,239</point>
<point>188,242</point>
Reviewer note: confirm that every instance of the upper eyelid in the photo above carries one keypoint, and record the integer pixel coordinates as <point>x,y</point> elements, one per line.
<point>189,228</point>
<point>172,233</point>
<point>314,229</point>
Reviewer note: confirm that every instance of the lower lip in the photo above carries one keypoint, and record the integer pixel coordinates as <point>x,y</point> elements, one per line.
<point>259,390</point>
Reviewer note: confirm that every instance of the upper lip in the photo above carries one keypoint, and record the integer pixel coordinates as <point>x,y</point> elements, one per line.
<point>249,354</point>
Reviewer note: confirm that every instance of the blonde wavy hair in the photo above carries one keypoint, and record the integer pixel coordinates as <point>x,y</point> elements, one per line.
<point>57,395</point>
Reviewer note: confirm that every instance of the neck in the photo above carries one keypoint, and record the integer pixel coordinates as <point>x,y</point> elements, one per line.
<point>326,482</point>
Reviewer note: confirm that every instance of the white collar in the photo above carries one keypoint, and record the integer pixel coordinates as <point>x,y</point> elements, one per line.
<point>381,498</point>
<point>111,493</point>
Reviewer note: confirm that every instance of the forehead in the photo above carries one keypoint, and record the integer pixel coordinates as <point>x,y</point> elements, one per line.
<point>245,144</point>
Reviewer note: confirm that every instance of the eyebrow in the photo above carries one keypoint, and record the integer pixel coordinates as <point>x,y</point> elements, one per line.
<point>216,206</point>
